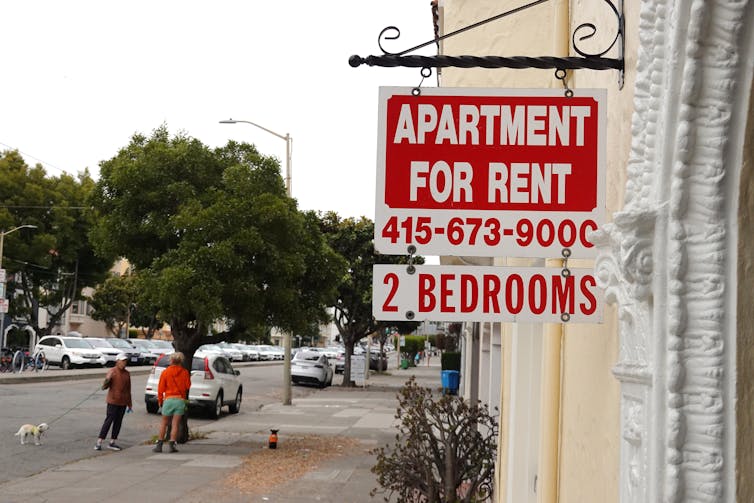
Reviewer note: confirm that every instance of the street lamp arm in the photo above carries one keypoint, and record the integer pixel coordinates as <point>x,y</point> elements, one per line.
<point>233,121</point>
<point>288,149</point>
<point>25,226</point>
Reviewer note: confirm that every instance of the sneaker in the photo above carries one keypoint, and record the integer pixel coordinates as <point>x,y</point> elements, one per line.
<point>171,447</point>
<point>97,447</point>
<point>114,447</point>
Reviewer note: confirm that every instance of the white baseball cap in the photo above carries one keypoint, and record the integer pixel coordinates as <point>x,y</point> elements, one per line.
<point>121,356</point>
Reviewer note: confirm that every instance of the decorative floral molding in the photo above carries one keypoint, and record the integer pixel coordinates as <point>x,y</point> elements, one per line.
<point>664,260</point>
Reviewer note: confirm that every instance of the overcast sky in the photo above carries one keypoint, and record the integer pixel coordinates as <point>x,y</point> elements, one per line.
<point>80,77</point>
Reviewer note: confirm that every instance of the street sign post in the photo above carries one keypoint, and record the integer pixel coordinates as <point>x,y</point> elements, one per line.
<point>490,172</point>
<point>485,293</point>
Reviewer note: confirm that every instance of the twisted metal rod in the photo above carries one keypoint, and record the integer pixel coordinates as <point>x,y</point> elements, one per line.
<point>544,62</point>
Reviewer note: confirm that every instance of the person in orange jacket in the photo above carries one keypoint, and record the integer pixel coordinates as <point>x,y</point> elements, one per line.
<point>172,397</point>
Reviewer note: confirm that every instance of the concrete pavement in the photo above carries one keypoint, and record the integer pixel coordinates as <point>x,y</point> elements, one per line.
<point>199,471</point>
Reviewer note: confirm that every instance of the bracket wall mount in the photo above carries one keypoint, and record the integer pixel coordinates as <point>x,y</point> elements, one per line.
<point>584,31</point>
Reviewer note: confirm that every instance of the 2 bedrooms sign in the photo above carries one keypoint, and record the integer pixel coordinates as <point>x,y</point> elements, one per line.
<point>490,172</point>
<point>482,293</point>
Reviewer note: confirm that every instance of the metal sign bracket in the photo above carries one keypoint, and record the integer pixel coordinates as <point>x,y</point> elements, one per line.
<point>584,31</point>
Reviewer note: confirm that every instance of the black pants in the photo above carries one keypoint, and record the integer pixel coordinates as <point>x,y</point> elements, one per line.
<point>114,417</point>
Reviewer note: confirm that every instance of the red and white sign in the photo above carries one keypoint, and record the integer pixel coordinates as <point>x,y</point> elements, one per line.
<point>490,172</point>
<point>482,293</point>
<point>4,304</point>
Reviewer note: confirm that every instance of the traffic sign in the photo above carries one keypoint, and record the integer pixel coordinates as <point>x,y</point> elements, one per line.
<point>490,172</point>
<point>485,293</point>
<point>4,305</point>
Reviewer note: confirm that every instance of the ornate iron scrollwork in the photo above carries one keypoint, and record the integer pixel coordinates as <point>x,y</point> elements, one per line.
<point>590,60</point>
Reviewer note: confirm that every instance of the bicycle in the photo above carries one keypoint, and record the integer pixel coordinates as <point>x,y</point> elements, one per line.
<point>18,360</point>
<point>32,363</point>
<point>36,362</point>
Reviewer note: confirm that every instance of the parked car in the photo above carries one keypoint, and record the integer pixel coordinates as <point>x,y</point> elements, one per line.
<point>160,347</point>
<point>145,349</point>
<point>311,367</point>
<point>125,347</point>
<point>377,361</point>
<point>249,353</point>
<point>68,352</point>
<point>276,352</point>
<point>209,349</point>
<point>332,352</point>
<point>265,353</point>
<point>233,353</point>
<point>214,384</point>
<point>104,348</point>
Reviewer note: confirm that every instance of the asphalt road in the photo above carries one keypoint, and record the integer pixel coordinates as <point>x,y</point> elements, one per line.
<point>75,410</point>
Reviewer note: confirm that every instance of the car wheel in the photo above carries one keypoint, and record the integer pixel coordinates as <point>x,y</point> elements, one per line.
<point>152,407</point>
<point>215,412</point>
<point>66,363</point>
<point>236,405</point>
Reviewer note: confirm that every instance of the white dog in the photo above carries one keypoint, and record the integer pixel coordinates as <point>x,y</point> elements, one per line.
<point>29,430</point>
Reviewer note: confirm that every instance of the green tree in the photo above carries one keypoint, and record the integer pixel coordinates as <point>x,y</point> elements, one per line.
<point>49,266</point>
<point>353,239</point>
<point>112,302</point>
<point>214,237</point>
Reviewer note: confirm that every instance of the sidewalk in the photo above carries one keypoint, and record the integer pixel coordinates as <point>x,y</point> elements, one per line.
<point>198,473</point>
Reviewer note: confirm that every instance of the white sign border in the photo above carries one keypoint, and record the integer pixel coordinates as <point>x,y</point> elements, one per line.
<point>508,247</point>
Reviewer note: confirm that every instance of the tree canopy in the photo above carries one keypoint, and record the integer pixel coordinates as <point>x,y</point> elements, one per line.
<point>354,240</point>
<point>49,265</point>
<point>213,236</point>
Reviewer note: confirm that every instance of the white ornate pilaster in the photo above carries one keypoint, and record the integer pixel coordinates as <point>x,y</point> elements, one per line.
<point>665,260</point>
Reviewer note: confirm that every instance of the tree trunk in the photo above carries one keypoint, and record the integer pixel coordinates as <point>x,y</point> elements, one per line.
<point>348,342</point>
<point>185,340</point>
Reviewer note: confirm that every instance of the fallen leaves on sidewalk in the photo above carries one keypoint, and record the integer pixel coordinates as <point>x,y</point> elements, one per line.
<point>295,456</point>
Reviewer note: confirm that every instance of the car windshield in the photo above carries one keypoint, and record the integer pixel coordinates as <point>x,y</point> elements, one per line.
<point>119,343</point>
<point>307,355</point>
<point>99,343</point>
<point>162,344</point>
<point>78,343</point>
<point>141,343</point>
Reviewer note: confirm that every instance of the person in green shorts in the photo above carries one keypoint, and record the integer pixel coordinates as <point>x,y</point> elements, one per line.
<point>172,396</point>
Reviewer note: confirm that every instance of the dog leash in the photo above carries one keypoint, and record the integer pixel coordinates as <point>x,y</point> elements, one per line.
<point>99,388</point>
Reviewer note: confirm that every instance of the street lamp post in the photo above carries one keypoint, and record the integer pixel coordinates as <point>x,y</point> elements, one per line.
<point>289,190</point>
<point>288,149</point>
<point>2,241</point>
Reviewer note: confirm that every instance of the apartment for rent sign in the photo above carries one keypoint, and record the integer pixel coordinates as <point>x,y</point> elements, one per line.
<point>490,172</point>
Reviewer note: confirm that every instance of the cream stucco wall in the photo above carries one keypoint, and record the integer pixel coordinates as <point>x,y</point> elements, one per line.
<point>589,418</point>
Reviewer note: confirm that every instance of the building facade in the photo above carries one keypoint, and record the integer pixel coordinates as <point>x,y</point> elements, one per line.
<point>655,403</point>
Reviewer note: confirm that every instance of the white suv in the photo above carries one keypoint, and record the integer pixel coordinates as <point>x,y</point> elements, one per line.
<point>214,384</point>
<point>69,351</point>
